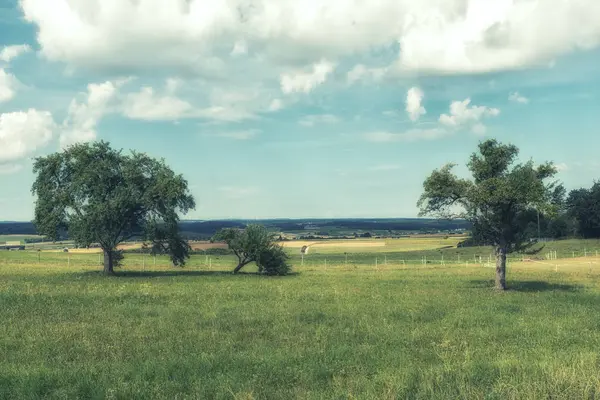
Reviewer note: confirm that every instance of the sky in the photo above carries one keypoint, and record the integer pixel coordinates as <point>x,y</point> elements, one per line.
<point>289,109</point>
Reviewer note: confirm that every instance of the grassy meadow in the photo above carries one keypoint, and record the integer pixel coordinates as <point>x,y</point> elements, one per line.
<point>341,330</point>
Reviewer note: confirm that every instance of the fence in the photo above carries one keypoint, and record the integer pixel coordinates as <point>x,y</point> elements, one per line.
<point>60,259</point>
<point>141,260</point>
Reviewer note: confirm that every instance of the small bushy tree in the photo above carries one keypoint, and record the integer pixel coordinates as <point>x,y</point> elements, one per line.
<point>100,195</point>
<point>255,244</point>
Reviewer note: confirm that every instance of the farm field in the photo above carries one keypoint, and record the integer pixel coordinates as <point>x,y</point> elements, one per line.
<point>367,333</point>
<point>375,245</point>
<point>340,330</point>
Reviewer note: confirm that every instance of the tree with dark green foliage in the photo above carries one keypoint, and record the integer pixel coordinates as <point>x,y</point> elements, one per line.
<point>498,201</point>
<point>99,195</point>
<point>255,244</point>
<point>583,206</point>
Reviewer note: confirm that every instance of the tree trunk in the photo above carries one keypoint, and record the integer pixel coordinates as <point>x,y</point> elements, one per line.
<point>241,265</point>
<point>501,268</point>
<point>108,262</point>
<point>237,269</point>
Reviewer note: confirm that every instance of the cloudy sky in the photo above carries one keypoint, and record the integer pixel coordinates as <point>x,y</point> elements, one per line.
<point>285,108</point>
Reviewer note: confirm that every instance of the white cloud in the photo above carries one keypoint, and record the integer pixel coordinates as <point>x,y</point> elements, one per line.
<point>462,114</point>
<point>146,105</point>
<point>305,82</point>
<point>311,120</point>
<point>240,135</point>
<point>517,98</point>
<point>361,72</point>
<point>234,103</point>
<point>83,117</point>
<point>414,97</point>
<point>9,53</point>
<point>440,36</point>
<point>23,132</point>
<point>221,105</point>
<point>411,135</point>
<point>7,86</point>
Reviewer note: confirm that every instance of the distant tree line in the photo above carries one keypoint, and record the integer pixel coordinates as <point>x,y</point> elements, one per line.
<point>204,230</point>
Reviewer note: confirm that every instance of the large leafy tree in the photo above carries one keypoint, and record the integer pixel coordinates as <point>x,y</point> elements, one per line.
<point>499,200</point>
<point>255,244</point>
<point>99,195</point>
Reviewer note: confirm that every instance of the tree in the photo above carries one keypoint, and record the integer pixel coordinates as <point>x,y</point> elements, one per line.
<point>255,244</point>
<point>99,195</point>
<point>583,206</point>
<point>498,201</point>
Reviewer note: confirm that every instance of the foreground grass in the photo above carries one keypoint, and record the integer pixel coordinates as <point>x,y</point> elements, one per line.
<point>344,332</point>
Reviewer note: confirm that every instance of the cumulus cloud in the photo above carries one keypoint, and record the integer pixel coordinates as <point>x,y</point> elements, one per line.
<point>223,104</point>
<point>463,114</point>
<point>451,36</point>
<point>305,82</point>
<point>414,97</point>
<point>517,98</point>
<point>9,53</point>
<point>23,132</point>
<point>311,120</point>
<point>7,86</point>
<point>84,116</point>
<point>148,106</point>
<point>411,135</point>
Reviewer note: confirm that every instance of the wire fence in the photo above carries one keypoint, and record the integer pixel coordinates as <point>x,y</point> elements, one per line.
<point>143,260</point>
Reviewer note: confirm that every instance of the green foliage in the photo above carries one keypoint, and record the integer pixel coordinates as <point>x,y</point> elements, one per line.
<point>584,206</point>
<point>501,200</point>
<point>273,261</point>
<point>252,244</point>
<point>99,195</point>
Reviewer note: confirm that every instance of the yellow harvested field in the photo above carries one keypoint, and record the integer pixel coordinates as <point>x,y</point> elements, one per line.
<point>375,245</point>
<point>207,245</point>
<point>335,243</point>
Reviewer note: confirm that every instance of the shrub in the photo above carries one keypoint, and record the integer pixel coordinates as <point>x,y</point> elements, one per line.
<point>273,261</point>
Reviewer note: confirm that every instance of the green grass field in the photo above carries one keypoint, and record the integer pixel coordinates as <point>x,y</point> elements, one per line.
<point>340,331</point>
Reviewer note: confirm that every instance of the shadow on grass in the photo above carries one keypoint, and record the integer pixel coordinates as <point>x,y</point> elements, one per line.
<point>529,286</point>
<point>176,273</point>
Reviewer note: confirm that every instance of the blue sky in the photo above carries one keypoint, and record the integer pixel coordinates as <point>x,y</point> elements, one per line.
<point>318,109</point>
